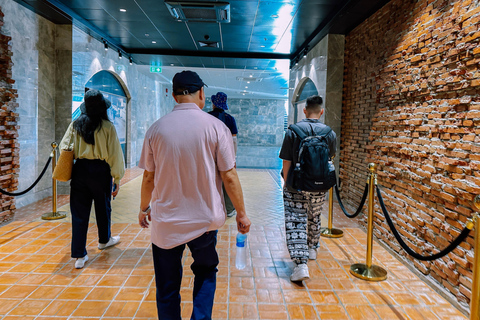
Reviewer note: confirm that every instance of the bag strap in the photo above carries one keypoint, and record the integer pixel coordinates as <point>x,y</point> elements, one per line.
<point>300,133</point>
<point>71,138</point>
<point>324,132</point>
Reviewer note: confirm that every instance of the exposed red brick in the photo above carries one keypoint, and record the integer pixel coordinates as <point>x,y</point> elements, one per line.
<point>9,148</point>
<point>411,105</point>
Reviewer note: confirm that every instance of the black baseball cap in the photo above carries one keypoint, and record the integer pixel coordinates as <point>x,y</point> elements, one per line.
<point>187,82</point>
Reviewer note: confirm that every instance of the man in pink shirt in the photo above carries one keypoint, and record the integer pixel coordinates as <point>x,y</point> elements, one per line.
<point>186,156</point>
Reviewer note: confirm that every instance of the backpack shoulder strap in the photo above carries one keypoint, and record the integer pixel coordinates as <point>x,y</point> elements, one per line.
<point>324,132</point>
<point>300,133</point>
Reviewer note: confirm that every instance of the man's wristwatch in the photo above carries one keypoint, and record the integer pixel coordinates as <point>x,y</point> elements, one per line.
<point>146,211</point>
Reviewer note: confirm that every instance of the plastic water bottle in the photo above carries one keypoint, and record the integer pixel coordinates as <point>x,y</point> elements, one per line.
<point>241,254</point>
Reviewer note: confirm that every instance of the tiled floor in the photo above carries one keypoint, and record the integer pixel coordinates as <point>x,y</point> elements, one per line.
<point>38,279</point>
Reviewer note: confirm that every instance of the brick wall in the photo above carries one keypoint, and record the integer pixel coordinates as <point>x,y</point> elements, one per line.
<point>411,105</point>
<point>9,147</point>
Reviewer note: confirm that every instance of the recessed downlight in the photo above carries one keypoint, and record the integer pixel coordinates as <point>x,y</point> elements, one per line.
<point>123,10</point>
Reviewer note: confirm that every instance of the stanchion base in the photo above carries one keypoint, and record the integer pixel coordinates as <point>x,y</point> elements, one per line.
<point>374,273</point>
<point>332,233</point>
<point>54,215</point>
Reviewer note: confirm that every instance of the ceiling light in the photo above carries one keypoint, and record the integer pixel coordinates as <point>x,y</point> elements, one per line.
<point>246,87</point>
<point>172,64</point>
<point>305,51</point>
<point>154,41</point>
<point>105,45</point>
<point>250,75</point>
<point>147,35</point>
<point>130,60</point>
<point>249,79</point>
<point>123,10</point>
<point>208,44</point>
<point>274,16</point>
<point>119,55</point>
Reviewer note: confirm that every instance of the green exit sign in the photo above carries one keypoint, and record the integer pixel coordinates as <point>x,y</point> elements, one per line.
<point>156,69</point>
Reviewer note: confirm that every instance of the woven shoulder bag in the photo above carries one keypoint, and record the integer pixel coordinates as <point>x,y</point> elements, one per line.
<point>63,169</point>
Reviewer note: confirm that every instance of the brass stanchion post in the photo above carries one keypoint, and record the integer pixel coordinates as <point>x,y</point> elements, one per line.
<point>369,271</point>
<point>475,302</point>
<point>331,232</point>
<point>54,215</point>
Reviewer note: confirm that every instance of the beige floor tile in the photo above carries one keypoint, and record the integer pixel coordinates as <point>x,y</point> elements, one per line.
<point>38,279</point>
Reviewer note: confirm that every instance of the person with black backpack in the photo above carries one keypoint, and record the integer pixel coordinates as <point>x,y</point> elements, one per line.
<point>308,171</point>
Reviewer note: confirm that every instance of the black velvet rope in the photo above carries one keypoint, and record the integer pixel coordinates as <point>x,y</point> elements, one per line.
<point>362,202</point>
<point>13,194</point>
<point>417,256</point>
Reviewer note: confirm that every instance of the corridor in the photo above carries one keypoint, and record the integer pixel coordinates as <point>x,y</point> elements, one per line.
<point>38,279</point>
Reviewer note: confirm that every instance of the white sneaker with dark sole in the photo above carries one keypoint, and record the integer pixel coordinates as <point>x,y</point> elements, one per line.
<point>300,273</point>
<point>113,241</point>
<point>80,262</point>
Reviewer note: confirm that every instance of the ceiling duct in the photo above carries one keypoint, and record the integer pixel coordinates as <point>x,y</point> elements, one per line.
<point>199,11</point>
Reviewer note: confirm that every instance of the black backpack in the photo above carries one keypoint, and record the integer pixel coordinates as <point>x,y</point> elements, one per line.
<point>313,170</point>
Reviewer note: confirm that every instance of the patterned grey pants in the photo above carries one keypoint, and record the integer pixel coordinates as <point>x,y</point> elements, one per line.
<point>302,222</point>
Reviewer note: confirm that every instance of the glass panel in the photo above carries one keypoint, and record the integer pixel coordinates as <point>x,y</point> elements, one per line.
<point>105,82</point>
<point>308,90</point>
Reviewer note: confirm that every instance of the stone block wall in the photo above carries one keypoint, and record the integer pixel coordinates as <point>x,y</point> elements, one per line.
<point>411,104</point>
<point>9,147</point>
<point>260,125</point>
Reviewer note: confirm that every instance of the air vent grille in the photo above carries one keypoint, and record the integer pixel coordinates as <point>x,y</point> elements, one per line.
<point>199,14</point>
<point>218,12</point>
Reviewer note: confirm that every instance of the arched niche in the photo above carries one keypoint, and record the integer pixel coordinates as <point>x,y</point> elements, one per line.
<point>114,89</point>
<point>305,89</point>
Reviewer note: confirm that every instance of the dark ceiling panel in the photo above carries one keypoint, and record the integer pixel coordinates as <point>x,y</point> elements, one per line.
<point>92,14</point>
<point>256,28</point>
<point>81,4</point>
<point>205,31</point>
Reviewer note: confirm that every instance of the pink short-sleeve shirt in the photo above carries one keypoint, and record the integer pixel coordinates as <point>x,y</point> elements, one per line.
<point>186,149</point>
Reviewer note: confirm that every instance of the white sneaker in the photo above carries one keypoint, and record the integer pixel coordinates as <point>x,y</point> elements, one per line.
<point>312,254</point>
<point>113,241</point>
<point>300,273</point>
<point>231,214</point>
<point>80,263</point>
